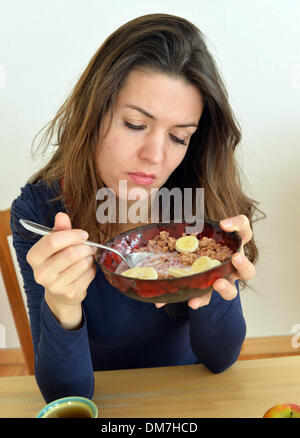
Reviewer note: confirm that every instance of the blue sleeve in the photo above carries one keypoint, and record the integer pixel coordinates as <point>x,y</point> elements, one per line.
<point>63,364</point>
<point>217,332</point>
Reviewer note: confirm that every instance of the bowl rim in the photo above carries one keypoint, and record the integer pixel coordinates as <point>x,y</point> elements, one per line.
<point>175,278</point>
<point>67,400</point>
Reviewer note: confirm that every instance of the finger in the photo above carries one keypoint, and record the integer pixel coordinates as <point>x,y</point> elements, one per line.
<point>197,302</point>
<point>74,278</point>
<point>54,242</point>
<point>159,305</point>
<point>246,270</point>
<point>227,290</point>
<point>52,267</point>
<point>85,280</point>
<point>238,223</point>
<point>62,222</point>
<point>77,290</point>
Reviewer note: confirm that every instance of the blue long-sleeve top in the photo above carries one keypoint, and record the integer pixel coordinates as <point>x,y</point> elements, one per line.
<point>117,332</point>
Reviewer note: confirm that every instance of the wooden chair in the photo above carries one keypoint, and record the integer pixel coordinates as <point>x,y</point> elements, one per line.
<point>14,292</point>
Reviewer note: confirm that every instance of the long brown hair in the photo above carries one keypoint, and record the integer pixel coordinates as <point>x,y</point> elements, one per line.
<point>165,44</point>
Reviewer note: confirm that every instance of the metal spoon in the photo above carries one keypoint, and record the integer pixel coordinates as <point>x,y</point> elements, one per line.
<point>131,259</point>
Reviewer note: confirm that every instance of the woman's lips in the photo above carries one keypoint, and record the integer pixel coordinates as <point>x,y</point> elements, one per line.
<point>143,180</point>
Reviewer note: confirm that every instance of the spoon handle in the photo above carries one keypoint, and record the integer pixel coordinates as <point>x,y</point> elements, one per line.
<point>35,228</point>
<point>44,231</point>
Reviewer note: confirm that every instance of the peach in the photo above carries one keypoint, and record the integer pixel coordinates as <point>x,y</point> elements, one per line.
<point>285,410</point>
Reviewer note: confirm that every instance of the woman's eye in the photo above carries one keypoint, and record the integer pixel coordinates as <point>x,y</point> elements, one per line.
<point>140,127</point>
<point>177,140</point>
<point>136,127</point>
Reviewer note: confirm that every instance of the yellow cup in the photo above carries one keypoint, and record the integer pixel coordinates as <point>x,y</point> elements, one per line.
<point>69,407</point>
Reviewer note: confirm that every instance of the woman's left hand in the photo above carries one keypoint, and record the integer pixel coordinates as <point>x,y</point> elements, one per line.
<point>245,269</point>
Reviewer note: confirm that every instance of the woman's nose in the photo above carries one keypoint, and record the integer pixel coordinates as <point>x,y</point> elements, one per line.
<point>153,149</point>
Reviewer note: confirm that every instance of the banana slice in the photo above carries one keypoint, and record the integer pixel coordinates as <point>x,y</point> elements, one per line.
<point>146,273</point>
<point>178,272</point>
<point>203,264</point>
<point>187,244</point>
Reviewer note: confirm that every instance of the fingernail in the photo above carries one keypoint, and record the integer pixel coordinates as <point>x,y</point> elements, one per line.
<point>196,306</point>
<point>159,305</point>
<point>227,223</point>
<point>84,235</point>
<point>193,307</point>
<point>238,259</point>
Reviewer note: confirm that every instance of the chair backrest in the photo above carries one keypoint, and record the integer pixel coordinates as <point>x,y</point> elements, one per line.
<point>14,294</point>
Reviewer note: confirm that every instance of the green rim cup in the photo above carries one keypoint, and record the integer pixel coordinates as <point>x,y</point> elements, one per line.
<point>69,407</point>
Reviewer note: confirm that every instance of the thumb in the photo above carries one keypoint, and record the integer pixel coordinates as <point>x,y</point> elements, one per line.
<point>62,222</point>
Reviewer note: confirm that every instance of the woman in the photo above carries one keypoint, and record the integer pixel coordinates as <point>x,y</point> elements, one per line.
<point>151,100</point>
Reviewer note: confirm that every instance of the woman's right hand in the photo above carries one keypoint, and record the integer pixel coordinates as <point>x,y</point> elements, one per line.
<point>64,265</point>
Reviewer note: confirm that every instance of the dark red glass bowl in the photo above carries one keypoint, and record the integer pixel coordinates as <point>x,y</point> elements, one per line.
<point>171,290</point>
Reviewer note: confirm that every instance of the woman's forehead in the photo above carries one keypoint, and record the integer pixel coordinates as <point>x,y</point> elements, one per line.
<point>154,94</point>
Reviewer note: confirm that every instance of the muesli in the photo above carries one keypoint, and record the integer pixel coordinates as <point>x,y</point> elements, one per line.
<point>177,257</point>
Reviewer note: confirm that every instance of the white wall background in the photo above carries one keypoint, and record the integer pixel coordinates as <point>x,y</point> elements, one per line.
<point>44,47</point>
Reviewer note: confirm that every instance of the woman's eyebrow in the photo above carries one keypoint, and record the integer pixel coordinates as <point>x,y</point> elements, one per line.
<point>141,110</point>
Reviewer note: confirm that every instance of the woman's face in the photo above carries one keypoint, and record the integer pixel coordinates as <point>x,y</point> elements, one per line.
<point>145,135</point>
